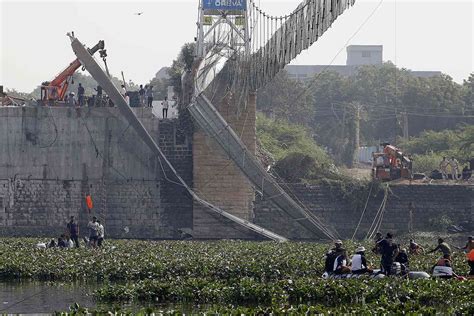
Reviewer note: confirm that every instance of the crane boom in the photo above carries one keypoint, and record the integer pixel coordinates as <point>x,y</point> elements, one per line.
<point>55,90</point>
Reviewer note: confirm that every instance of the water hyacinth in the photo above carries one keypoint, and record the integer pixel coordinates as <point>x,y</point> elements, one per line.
<point>252,276</point>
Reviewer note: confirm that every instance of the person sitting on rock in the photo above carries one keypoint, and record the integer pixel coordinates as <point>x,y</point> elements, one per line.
<point>359,262</point>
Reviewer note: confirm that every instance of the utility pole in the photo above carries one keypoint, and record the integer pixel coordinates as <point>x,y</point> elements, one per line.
<point>405,125</point>
<point>357,108</point>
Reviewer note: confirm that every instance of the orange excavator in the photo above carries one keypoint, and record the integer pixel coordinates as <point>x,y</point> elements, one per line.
<point>391,164</point>
<point>53,92</point>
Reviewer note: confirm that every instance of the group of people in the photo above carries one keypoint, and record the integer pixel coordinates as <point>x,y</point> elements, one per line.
<point>97,100</point>
<point>146,95</point>
<point>394,259</point>
<point>454,168</point>
<point>96,232</point>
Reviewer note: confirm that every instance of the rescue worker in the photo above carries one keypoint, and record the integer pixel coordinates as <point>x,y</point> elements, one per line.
<point>443,168</point>
<point>470,261</point>
<point>402,258</point>
<point>359,262</point>
<point>443,267</point>
<point>414,248</point>
<point>469,245</point>
<point>336,259</point>
<point>454,168</point>
<point>443,247</point>
<point>80,95</point>
<point>378,238</point>
<point>388,250</point>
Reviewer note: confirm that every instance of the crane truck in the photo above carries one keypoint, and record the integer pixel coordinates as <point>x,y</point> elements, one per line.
<point>391,164</point>
<point>54,91</point>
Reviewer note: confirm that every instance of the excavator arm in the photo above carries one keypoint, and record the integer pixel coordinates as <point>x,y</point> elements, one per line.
<point>56,89</point>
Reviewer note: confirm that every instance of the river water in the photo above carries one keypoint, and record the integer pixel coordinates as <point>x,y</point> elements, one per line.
<point>43,297</point>
<point>49,297</point>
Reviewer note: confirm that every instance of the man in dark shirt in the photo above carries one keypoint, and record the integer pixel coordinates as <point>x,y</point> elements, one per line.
<point>388,250</point>
<point>141,93</point>
<point>378,238</point>
<point>80,95</point>
<point>73,230</point>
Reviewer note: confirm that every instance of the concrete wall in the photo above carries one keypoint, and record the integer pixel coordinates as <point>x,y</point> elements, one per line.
<point>429,203</point>
<point>52,157</point>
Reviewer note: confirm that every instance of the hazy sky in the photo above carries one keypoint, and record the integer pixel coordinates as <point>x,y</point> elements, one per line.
<point>419,35</point>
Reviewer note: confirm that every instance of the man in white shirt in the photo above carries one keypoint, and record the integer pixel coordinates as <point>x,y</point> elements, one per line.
<point>359,263</point>
<point>93,232</point>
<point>100,233</point>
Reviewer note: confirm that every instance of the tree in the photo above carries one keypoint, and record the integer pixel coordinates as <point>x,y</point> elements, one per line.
<point>285,98</point>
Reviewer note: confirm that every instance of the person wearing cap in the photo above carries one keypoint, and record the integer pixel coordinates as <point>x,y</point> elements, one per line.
<point>71,100</point>
<point>336,259</point>
<point>340,262</point>
<point>388,250</point>
<point>359,262</point>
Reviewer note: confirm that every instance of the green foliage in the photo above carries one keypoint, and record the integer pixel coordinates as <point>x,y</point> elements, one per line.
<point>281,138</point>
<point>426,163</point>
<point>182,63</point>
<point>252,276</point>
<point>441,223</point>
<point>285,99</point>
<point>430,147</point>
<point>384,92</point>
<point>298,156</point>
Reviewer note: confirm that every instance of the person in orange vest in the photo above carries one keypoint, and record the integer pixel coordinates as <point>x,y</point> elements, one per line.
<point>470,261</point>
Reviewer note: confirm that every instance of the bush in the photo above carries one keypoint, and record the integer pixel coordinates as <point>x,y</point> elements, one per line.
<point>426,163</point>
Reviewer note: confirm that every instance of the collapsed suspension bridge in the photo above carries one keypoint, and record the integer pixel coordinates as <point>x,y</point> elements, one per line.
<point>239,49</point>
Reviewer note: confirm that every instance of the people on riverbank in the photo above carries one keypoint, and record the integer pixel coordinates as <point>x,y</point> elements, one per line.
<point>100,234</point>
<point>93,232</point>
<point>73,231</point>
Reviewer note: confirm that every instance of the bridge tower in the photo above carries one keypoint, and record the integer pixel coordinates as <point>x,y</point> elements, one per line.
<point>223,23</point>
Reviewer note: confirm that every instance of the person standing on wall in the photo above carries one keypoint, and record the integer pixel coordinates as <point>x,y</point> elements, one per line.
<point>98,97</point>
<point>149,96</point>
<point>443,168</point>
<point>73,230</point>
<point>141,93</point>
<point>80,94</point>
<point>454,168</point>
<point>165,105</point>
